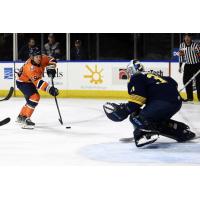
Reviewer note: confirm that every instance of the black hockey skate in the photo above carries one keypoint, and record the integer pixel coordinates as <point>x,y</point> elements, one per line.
<point>145,132</point>
<point>28,124</point>
<point>144,137</point>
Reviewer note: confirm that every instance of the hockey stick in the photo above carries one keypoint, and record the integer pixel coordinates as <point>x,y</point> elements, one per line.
<point>60,119</point>
<point>10,93</point>
<point>4,121</point>
<point>195,75</point>
<point>127,140</point>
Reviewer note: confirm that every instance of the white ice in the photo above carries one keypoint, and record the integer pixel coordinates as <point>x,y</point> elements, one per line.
<point>92,140</point>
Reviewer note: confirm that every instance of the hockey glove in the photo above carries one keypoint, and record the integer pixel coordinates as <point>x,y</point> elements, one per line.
<point>53,61</point>
<point>51,73</point>
<point>53,91</point>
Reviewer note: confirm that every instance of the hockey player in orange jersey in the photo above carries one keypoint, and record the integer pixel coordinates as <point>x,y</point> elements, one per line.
<point>30,81</point>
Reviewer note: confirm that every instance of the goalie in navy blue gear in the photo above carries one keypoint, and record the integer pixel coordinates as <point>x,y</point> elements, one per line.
<point>153,100</point>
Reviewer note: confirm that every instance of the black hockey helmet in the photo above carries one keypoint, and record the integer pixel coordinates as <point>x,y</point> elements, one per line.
<point>34,52</point>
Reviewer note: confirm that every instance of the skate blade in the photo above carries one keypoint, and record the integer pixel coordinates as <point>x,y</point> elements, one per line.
<point>27,127</point>
<point>18,123</point>
<point>144,141</point>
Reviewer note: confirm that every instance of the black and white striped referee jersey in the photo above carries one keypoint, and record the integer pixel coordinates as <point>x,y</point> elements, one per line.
<point>190,53</point>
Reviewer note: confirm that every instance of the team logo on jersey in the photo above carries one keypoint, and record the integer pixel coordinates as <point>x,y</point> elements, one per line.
<point>8,73</point>
<point>132,89</point>
<point>95,74</point>
<point>34,78</point>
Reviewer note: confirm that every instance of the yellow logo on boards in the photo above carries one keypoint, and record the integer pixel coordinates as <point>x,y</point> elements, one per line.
<point>95,75</point>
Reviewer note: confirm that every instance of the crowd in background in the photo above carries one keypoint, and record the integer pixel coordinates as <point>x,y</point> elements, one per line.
<point>53,48</point>
<point>184,48</point>
<point>54,45</point>
<point>94,46</point>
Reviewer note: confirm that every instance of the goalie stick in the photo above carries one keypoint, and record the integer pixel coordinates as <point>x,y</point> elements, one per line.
<point>10,93</point>
<point>195,75</point>
<point>127,140</point>
<point>4,121</point>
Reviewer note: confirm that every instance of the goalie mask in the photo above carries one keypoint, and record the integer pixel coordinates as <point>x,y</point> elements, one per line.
<point>134,67</point>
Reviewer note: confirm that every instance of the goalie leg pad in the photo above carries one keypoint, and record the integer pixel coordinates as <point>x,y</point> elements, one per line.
<point>176,130</point>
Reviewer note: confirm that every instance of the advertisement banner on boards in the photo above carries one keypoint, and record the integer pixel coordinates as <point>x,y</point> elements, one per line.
<point>119,75</point>
<point>94,76</point>
<point>90,75</point>
<point>7,75</point>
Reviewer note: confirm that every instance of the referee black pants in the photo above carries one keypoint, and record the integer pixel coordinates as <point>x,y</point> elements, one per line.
<point>189,71</point>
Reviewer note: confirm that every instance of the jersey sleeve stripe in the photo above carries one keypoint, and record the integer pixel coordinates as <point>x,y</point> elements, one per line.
<point>42,85</point>
<point>39,84</point>
<point>137,99</point>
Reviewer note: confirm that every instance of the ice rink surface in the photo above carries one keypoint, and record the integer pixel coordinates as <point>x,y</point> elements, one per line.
<point>92,140</point>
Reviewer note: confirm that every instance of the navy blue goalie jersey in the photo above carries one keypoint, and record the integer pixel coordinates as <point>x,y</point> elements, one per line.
<point>144,88</point>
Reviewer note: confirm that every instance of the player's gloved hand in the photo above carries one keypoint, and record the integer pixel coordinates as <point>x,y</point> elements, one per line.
<point>51,73</point>
<point>53,91</point>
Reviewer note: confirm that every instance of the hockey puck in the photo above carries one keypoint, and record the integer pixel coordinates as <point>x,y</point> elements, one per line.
<point>68,127</point>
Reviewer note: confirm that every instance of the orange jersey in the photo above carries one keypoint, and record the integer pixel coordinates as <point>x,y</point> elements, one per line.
<point>33,73</point>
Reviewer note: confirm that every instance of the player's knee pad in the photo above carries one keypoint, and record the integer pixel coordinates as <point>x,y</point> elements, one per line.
<point>33,100</point>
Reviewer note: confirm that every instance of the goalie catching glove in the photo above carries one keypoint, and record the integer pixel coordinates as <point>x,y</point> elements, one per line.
<point>118,112</point>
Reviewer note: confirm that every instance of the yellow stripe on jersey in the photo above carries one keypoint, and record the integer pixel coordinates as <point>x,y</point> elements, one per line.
<point>137,99</point>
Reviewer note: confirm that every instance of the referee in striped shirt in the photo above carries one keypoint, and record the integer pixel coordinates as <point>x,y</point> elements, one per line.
<point>189,53</point>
